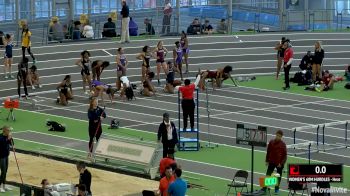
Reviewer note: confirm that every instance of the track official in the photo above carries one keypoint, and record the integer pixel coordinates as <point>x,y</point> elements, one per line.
<point>187,102</point>
<point>167,133</point>
<point>5,142</point>
<point>276,157</point>
<point>288,59</point>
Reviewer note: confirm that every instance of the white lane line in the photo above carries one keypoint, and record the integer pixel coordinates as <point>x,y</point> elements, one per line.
<point>107,52</point>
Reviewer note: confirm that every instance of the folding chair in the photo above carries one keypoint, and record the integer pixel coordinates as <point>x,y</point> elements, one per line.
<point>296,186</point>
<point>240,174</point>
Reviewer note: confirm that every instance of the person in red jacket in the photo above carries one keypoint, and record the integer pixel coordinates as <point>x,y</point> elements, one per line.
<point>288,59</point>
<point>166,162</point>
<point>276,157</point>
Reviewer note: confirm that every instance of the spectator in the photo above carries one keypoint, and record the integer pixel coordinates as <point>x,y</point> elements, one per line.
<point>33,77</point>
<point>168,10</point>
<point>56,31</point>
<point>5,142</point>
<point>276,157</point>
<point>165,182</point>
<point>194,28</point>
<point>47,187</point>
<point>1,39</point>
<point>168,135</point>
<point>207,28</point>
<point>133,28</point>
<point>109,29</point>
<point>166,162</point>
<point>69,30</point>
<point>347,73</point>
<point>125,23</point>
<point>179,186</point>
<point>222,27</point>
<point>288,59</point>
<point>327,82</point>
<point>280,55</point>
<point>88,31</point>
<point>76,30</point>
<point>85,177</point>
<point>306,62</point>
<point>317,61</point>
<point>149,27</point>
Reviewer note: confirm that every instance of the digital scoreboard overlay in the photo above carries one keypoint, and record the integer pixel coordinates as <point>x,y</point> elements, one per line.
<point>313,173</point>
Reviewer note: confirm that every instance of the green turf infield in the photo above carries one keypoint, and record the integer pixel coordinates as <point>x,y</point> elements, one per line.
<point>223,156</point>
<point>270,83</point>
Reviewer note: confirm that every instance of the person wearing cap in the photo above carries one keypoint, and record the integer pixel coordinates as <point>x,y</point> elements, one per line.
<point>5,142</point>
<point>187,102</point>
<point>276,157</point>
<point>288,59</point>
<point>167,135</point>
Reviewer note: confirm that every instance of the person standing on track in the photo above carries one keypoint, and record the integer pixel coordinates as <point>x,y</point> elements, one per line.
<point>5,142</point>
<point>160,53</point>
<point>95,114</point>
<point>177,57</point>
<point>97,68</point>
<point>22,77</point>
<point>26,42</point>
<point>84,62</point>
<point>125,38</point>
<point>122,63</point>
<point>317,61</point>
<point>280,55</point>
<point>8,60</point>
<point>288,59</point>
<point>145,56</point>
<point>185,48</point>
<point>187,103</point>
<point>168,135</point>
<point>276,157</point>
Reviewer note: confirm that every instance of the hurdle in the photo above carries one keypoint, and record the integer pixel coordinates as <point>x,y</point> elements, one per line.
<point>323,142</point>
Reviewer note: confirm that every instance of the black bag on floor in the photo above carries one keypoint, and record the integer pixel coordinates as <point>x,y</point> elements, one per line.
<point>129,93</point>
<point>55,126</point>
<point>347,85</point>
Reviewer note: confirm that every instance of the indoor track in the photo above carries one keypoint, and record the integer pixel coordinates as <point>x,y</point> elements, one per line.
<point>249,55</point>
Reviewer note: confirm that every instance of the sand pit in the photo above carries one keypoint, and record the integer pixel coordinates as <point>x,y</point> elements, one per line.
<point>104,183</point>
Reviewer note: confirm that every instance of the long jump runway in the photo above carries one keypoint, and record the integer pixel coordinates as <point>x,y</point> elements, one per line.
<point>249,55</point>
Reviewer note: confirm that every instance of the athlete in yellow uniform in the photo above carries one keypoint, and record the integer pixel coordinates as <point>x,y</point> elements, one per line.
<point>26,43</point>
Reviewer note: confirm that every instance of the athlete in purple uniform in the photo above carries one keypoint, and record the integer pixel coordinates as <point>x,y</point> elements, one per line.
<point>160,52</point>
<point>177,57</point>
<point>99,87</point>
<point>122,63</point>
<point>185,49</point>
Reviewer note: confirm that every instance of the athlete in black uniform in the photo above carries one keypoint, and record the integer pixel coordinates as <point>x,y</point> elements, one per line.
<point>22,76</point>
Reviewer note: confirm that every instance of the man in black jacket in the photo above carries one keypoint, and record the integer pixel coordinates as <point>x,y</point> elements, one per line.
<point>125,23</point>
<point>167,134</point>
<point>5,142</point>
<point>85,177</point>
